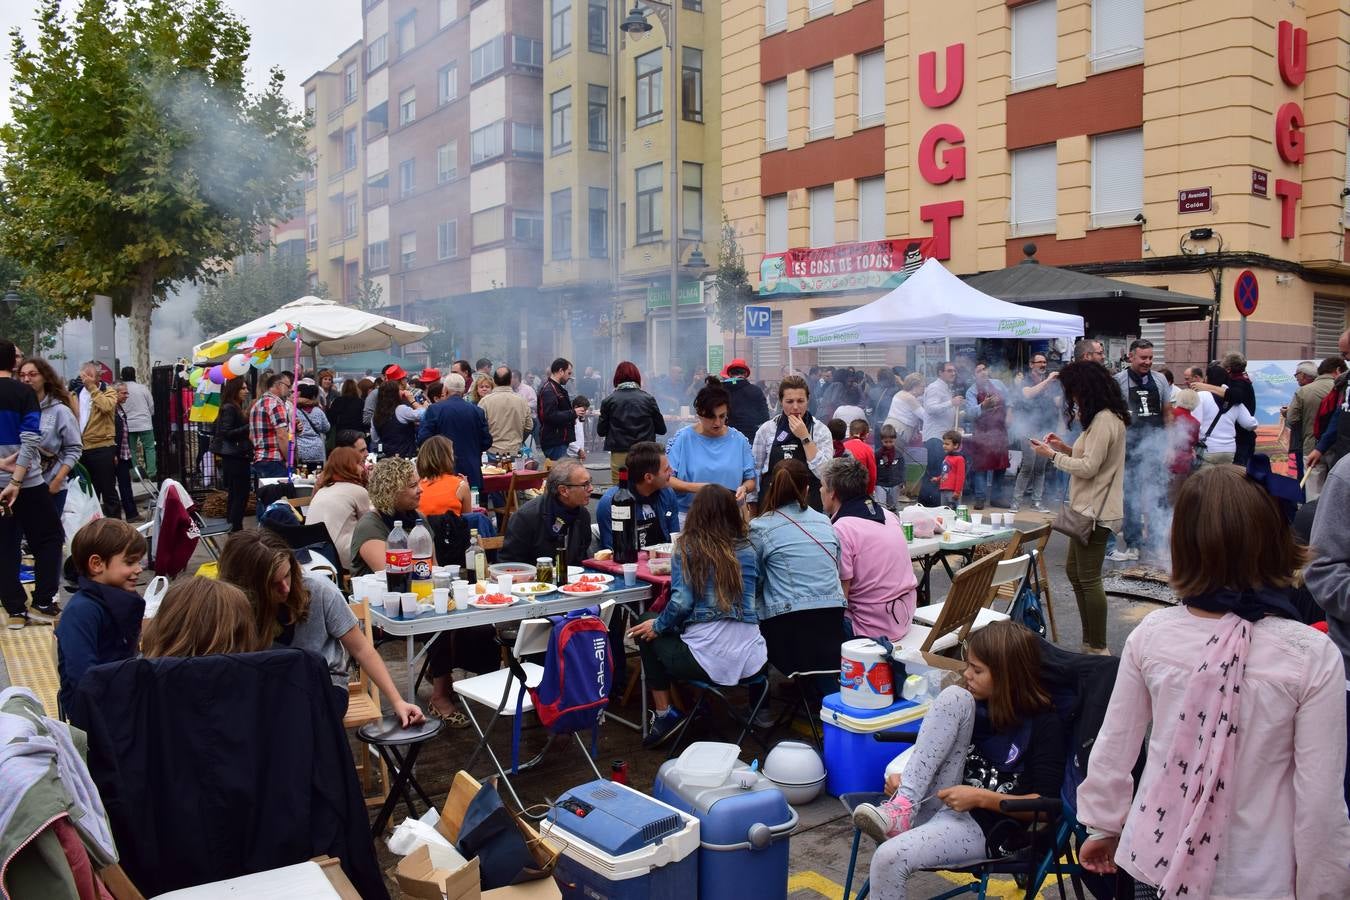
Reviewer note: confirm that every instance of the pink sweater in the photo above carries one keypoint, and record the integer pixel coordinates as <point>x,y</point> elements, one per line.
<point>1289,834</point>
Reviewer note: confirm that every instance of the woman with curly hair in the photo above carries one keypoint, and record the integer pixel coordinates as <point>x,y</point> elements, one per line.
<point>394,493</point>
<point>480,388</point>
<point>340,498</point>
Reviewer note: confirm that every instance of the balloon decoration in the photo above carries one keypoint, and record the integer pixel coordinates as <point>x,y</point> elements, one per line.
<point>239,355</point>
<point>216,374</point>
<point>236,365</point>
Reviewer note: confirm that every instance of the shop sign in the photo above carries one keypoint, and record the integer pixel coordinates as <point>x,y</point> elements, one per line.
<point>1195,200</point>
<point>843,267</point>
<point>658,295</point>
<point>716,358</point>
<point>939,165</point>
<point>1292,61</point>
<point>1260,183</point>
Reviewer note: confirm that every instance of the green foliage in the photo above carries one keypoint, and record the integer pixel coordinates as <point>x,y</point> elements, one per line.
<point>136,157</point>
<point>257,285</point>
<point>733,283</point>
<point>33,323</point>
<point>369,295</point>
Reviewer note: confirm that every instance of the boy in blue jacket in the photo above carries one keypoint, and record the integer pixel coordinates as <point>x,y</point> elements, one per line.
<point>102,622</point>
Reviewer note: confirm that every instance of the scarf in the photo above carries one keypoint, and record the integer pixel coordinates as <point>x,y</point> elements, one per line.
<point>1173,843</point>
<point>627,385</point>
<point>560,520</point>
<point>861,508</point>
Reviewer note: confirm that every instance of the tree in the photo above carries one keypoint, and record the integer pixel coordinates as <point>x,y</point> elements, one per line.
<point>733,284</point>
<point>33,323</point>
<point>136,158</point>
<point>258,284</point>
<point>369,295</point>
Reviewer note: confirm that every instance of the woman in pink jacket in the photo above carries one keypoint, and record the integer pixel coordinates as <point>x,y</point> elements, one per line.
<point>1240,795</point>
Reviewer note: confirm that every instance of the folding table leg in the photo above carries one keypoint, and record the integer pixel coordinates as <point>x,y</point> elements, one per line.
<point>484,745</point>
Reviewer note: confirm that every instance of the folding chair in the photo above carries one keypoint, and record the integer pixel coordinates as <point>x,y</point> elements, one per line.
<point>506,694</point>
<point>959,610</point>
<point>1011,572</point>
<point>1035,541</point>
<point>755,684</point>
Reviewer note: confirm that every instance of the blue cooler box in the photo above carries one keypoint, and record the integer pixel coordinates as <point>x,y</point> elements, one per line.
<point>619,844</point>
<point>854,761</point>
<point>744,828</point>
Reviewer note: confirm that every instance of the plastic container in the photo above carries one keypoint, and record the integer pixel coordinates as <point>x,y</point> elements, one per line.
<point>796,769</point>
<point>865,674</point>
<point>707,763</point>
<point>659,869</point>
<point>744,825</point>
<point>854,761</point>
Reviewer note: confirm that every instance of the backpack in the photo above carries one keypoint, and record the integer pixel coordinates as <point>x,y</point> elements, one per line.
<point>1026,607</point>
<point>449,537</point>
<point>1326,409</point>
<point>578,676</point>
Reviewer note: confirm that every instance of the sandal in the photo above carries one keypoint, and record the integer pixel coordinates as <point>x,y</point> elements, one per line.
<point>454,718</point>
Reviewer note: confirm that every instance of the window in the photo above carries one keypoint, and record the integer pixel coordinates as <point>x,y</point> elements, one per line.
<point>407,106</point>
<point>1034,45</point>
<point>447,162</point>
<point>649,96</point>
<point>597,26</point>
<point>597,222</point>
<point>447,240</point>
<point>349,83</point>
<point>377,120</point>
<point>350,216</point>
<point>447,84</point>
<point>691,192</point>
<point>597,116</point>
<point>1117,177</point>
<point>406,33</point>
<point>560,119</point>
<point>312,173</point>
<point>311,103</point>
<point>775,114</point>
<point>407,249</point>
<point>407,177</point>
<point>775,16</point>
<point>1117,33</point>
<point>527,52</point>
<point>489,226</point>
<point>561,204</point>
<point>349,149</point>
<point>528,228</point>
<point>871,88</point>
<point>448,11</point>
<point>1033,190</point>
<point>526,139</point>
<point>821,88</point>
<point>821,200</point>
<point>775,224</point>
<point>820,8</point>
<point>1345,194</point>
<point>312,228</point>
<point>377,189</point>
<point>377,53</point>
<point>486,142</point>
<point>562,27</point>
<point>377,255</point>
<point>691,84</point>
<point>872,209</point>
<point>486,59</point>
<point>649,203</point>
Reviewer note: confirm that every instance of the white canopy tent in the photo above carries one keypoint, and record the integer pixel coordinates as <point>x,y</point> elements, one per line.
<point>324,327</point>
<point>933,304</point>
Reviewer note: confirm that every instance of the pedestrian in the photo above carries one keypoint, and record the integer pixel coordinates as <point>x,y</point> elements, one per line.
<point>849,409</point>
<point>61,444</point>
<point>987,410</point>
<point>656,507</point>
<point>860,447</point>
<point>628,416</point>
<point>1219,429</point>
<point>140,410</point>
<point>1035,412</point>
<point>232,444</point>
<point>1183,433</point>
<point>480,388</point>
<point>557,519</point>
<point>123,442</point>
<point>269,429</point>
<point>1240,708</point>
<point>395,424</point>
<point>1333,440</point>
<point>464,424</point>
<point>391,372</point>
<point>556,415</point>
<point>1096,467</point>
<point>326,393</point>
<point>310,446</point>
<point>340,499</point>
<point>951,480</point>
<point>443,489</point>
<point>906,412</point>
<point>1328,575</point>
<point>344,409</point>
<point>1148,401</point>
<point>509,418</point>
<point>1301,417</point>
<point>748,408</point>
<point>879,399</point>
<point>838,434</point>
<point>942,408</point>
<point>890,471</point>
<point>710,452</point>
<point>98,427</point>
<point>581,405</point>
<point>794,434</point>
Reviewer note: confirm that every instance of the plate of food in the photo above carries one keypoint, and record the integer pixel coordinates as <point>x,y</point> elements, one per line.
<point>582,587</point>
<point>493,470</point>
<point>492,601</point>
<point>591,578</point>
<point>533,589</point>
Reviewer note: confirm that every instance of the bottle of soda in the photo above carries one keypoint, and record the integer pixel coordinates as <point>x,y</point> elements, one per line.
<point>623,519</point>
<point>397,559</point>
<point>423,552</point>
<point>474,560</point>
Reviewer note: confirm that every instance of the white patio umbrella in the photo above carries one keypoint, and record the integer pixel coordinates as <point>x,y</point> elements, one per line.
<point>324,327</point>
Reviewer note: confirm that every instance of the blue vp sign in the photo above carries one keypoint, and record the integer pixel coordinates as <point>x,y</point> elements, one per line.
<point>758,321</point>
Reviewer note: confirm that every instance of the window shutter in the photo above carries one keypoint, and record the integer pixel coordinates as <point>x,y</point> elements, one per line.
<point>1117,177</point>
<point>1117,33</point>
<point>871,87</point>
<point>872,209</point>
<point>1034,190</point>
<point>822,101</point>
<point>822,216</point>
<point>775,114</point>
<point>1034,44</point>
<point>1328,323</point>
<point>775,224</point>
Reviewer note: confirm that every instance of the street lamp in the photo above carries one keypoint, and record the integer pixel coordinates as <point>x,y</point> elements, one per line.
<point>12,298</point>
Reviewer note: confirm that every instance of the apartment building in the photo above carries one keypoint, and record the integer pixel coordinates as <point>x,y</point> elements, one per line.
<point>1170,144</point>
<point>453,174</point>
<point>608,237</point>
<point>334,217</point>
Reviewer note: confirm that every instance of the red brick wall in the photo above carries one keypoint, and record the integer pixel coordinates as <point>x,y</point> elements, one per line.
<point>822,40</point>
<point>1112,101</point>
<point>1098,245</point>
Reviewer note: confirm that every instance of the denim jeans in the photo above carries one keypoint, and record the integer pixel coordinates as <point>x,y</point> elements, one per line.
<point>928,491</point>
<point>555,453</point>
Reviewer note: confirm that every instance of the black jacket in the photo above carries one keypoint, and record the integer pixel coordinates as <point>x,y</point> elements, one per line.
<point>529,534</point>
<point>627,417</point>
<point>220,766</point>
<point>556,416</point>
<point>231,438</point>
<point>345,414</point>
<point>748,409</point>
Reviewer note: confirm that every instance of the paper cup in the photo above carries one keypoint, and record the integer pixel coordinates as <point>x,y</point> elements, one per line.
<point>977,518</point>
<point>392,604</point>
<point>440,600</point>
<point>461,591</point>
<point>504,583</point>
<point>410,605</point>
<point>630,574</point>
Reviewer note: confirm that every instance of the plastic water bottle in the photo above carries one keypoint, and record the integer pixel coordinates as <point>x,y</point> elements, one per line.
<point>423,552</point>
<point>475,562</point>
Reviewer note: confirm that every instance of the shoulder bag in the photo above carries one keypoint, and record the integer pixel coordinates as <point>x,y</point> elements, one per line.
<point>1076,525</point>
<point>1198,458</point>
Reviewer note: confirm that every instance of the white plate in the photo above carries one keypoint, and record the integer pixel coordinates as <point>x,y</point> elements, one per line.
<point>591,578</point>
<point>475,603</point>
<point>519,590</point>
<point>572,590</point>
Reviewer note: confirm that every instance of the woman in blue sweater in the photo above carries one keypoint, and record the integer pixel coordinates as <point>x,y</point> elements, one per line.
<point>708,631</point>
<point>709,452</point>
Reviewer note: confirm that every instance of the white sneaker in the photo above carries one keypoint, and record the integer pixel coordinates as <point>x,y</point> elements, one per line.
<point>1125,555</point>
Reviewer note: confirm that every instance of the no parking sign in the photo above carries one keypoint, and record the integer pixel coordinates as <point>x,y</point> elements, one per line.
<point>1245,293</point>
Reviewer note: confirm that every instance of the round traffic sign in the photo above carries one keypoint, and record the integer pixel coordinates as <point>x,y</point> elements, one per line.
<point>1245,293</point>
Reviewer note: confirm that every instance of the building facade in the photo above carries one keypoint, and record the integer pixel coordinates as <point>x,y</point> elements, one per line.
<point>1173,144</point>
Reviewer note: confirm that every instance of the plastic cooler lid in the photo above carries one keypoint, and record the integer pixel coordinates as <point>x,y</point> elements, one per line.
<point>707,763</point>
<point>835,704</point>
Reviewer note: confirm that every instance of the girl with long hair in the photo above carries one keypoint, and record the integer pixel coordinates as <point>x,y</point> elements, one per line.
<point>340,498</point>
<point>344,408</point>
<point>292,609</point>
<point>1096,467</point>
<point>199,617</point>
<point>995,738</point>
<point>709,631</point>
<point>1242,710</point>
<point>443,489</point>
<point>396,419</point>
<point>61,443</point>
<point>232,444</point>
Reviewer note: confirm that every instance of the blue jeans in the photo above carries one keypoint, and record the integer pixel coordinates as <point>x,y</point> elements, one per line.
<point>928,490</point>
<point>989,485</point>
<point>555,453</point>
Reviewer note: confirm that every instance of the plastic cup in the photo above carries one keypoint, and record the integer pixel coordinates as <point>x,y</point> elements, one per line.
<point>454,573</point>
<point>392,604</point>
<point>461,591</point>
<point>977,518</point>
<point>409,604</point>
<point>504,583</point>
<point>630,574</point>
<point>440,600</point>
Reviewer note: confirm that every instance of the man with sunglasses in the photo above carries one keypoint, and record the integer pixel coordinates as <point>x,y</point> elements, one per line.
<point>556,517</point>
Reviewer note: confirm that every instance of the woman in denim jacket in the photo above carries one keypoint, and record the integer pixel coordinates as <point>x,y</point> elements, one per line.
<point>800,602</point>
<point>709,630</point>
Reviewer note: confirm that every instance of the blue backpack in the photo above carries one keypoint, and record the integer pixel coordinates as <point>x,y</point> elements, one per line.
<point>578,675</point>
<point>1027,608</point>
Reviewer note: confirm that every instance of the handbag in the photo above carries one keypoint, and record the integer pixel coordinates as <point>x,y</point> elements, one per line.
<point>1198,458</point>
<point>1076,525</point>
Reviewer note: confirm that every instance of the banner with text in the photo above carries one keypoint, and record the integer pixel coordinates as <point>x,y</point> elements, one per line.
<point>866,265</point>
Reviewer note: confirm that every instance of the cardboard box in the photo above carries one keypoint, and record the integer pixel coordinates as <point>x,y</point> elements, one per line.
<point>542,889</point>
<point>435,872</point>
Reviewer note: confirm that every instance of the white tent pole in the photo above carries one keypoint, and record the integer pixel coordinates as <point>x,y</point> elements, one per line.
<point>947,348</point>
<point>790,368</point>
